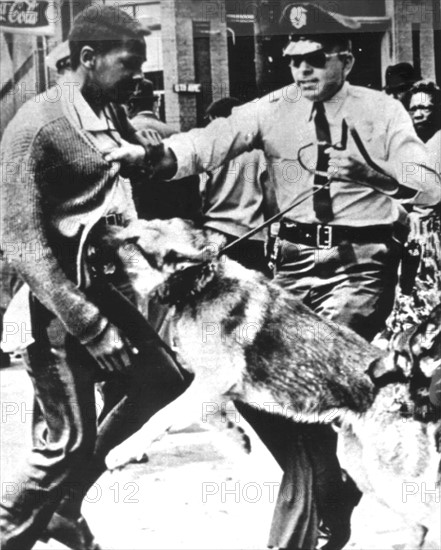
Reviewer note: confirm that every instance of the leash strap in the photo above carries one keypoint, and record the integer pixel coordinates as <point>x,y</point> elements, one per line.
<point>363,151</point>
<point>268,222</point>
<point>341,146</point>
<point>137,328</point>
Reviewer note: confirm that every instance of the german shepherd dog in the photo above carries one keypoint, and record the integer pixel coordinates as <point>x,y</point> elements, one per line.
<point>245,338</point>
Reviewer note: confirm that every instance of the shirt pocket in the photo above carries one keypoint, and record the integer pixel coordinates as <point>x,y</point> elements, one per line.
<point>373,137</point>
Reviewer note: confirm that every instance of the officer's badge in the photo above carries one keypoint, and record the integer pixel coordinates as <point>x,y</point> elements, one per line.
<point>297,16</point>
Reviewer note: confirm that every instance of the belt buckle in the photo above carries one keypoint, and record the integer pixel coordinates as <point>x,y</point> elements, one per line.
<point>113,219</point>
<point>326,242</point>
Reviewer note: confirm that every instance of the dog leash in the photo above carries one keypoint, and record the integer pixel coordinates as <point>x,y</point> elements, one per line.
<point>271,220</point>
<point>279,215</point>
<point>341,146</point>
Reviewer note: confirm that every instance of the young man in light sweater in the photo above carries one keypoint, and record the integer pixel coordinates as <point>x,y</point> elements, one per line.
<point>59,196</point>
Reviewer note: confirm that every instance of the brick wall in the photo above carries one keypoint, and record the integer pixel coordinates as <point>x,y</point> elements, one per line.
<point>414,15</point>
<point>177,18</point>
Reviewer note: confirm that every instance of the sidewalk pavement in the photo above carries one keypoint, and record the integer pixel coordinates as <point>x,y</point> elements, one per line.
<point>196,491</point>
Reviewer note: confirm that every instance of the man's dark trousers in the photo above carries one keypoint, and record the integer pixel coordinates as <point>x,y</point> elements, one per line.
<point>68,455</point>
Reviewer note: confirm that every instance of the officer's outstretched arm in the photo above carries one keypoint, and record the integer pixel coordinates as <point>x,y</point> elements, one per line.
<point>150,155</point>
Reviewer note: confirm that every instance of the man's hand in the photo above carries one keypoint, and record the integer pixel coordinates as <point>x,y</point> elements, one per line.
<point>110,350</point>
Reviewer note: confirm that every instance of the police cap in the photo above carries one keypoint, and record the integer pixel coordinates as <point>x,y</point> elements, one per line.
<point>312,28</point>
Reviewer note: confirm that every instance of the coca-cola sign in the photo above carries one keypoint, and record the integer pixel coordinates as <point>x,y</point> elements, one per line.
<point>27,16</point>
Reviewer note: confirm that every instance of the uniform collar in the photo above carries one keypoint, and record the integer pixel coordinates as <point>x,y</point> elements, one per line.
<point>334,104</point>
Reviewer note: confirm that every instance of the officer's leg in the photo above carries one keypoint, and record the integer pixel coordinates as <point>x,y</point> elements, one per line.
<point>353,287</point>
<point>295,269</point>
<point>64,389</point>
<point>294,524</point>
<point>302,269</point>
<point>360,292</point>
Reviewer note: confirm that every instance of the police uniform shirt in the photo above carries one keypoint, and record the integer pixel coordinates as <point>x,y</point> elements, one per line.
<point>282,123</point>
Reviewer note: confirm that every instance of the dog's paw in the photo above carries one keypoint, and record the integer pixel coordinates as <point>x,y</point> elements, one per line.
<point>118,458</point>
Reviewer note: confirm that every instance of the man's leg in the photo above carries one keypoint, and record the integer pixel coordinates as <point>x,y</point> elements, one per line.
<point>130,400</point>
<point>64,390</point>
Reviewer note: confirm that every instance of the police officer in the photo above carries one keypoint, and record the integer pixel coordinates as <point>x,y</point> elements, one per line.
<point>345,155</point>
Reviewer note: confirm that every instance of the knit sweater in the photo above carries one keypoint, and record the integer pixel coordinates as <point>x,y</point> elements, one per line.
<point>52,177</point>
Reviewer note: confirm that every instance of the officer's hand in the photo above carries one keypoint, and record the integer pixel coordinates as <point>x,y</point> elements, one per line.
<point>345,165</point>
<point>128,155</point>
<point>150,139</point>
<point>150,155</point>
<point>110,350</point>
<point>160,160</point>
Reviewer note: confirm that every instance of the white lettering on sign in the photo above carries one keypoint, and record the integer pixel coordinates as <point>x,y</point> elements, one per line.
<point>194,88</point>
<point>19,14</point>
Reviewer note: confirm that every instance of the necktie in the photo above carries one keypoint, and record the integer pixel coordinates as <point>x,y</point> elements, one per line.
<point>322,199</point>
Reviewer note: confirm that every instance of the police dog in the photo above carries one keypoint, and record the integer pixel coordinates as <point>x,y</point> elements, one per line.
<point>247,339</point>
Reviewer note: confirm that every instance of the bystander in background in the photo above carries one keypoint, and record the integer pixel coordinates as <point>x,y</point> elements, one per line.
<point>160,199</point>
<point>399,79</point>
<point>237,197</point>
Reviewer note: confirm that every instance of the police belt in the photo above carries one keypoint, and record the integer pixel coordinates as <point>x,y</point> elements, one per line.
<point>327,236</point>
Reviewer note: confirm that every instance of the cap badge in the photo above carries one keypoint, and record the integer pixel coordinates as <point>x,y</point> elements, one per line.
<point>297,16</point>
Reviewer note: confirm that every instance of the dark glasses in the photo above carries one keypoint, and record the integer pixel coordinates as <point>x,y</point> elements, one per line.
<point>315,59</point>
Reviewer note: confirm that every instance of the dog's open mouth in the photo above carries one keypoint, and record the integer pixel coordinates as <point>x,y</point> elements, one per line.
<point>185,284</point>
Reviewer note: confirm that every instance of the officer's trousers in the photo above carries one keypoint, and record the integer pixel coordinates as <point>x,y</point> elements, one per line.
<point>353,285</point>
